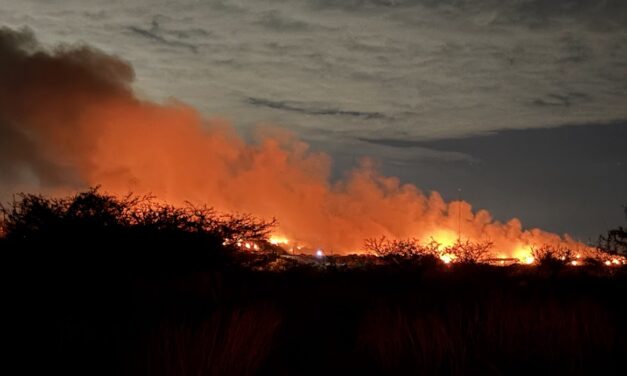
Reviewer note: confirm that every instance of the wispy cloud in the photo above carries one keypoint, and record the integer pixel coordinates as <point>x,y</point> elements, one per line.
<point>309,109</point>
<point>418,69</point>
<point>155,34</point>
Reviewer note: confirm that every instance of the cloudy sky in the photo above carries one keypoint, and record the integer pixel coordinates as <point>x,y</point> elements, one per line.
<point>520,103</point>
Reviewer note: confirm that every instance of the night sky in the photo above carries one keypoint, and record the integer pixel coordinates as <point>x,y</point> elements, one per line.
<point>521,104</point>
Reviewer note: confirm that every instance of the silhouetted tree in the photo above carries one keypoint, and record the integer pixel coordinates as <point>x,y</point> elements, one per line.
<point>122,231</point>
<point>399,250</point>
<point>468,252</point>
<point>615,241</point>
<point>550,256</point>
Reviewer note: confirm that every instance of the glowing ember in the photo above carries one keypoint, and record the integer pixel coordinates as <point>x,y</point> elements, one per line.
<point>319,253</point>
<point>447,258</point>
<point>278,240</point>
<point>523,254</point>
<point>445,238</point>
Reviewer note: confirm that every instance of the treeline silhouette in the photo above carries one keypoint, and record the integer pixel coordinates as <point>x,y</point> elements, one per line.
<point>101,285</point>
<point>95,230</point>
<point>412,250</point>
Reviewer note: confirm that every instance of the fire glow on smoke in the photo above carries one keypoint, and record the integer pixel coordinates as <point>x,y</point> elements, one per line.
<point>75,109</point>
<point>445,241</point>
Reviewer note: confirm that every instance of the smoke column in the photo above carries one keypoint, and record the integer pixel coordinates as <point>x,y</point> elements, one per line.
<point>69,119</point>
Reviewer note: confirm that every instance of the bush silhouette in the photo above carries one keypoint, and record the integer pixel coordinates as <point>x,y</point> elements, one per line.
<point>103,230</point>
<point>402,251</point>
<point>615,241</point>
<point>109,285</point>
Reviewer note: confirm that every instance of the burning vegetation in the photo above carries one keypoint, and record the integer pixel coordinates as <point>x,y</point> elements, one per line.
<point>377,277</point>
<point>128,285</point>
<point>74,110</point>
<point>79,220</point>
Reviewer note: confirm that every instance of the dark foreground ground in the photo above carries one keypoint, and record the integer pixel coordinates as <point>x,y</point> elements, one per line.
<point>96,285</point>
<point>444,320</point>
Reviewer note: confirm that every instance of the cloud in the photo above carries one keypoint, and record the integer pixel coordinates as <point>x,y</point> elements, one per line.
<point>308,109</point>
<point>530,12</point>
<point>155,34</point>
<point>434,69</point>
<point>275,21</point>
<point>567,100</point>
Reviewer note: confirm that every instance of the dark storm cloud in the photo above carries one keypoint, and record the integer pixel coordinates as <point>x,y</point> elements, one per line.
<point>41,94</point>
<point>312,110</point>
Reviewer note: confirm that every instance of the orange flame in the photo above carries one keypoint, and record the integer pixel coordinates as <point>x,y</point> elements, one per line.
<point>85,119</point>
<point>170,152</point>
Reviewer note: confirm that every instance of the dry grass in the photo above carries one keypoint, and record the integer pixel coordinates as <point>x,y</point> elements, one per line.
<point>228,342</point>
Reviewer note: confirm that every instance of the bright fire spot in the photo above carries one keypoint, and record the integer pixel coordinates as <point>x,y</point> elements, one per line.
<point>447,258</point>
<point>319,253</point>
<point>445,238</point>
<point>247,245</point>
<point>523,254</point>
<point>578,256</point>
<point>608,263</point>
<point>276,240</point>
<point>615,262</point>
<point>575,262</point>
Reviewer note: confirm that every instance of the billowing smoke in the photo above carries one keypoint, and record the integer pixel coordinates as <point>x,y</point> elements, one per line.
<point>69,119</point>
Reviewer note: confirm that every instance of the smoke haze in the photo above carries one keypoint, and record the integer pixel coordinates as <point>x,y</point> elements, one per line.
<point>69,118</point>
